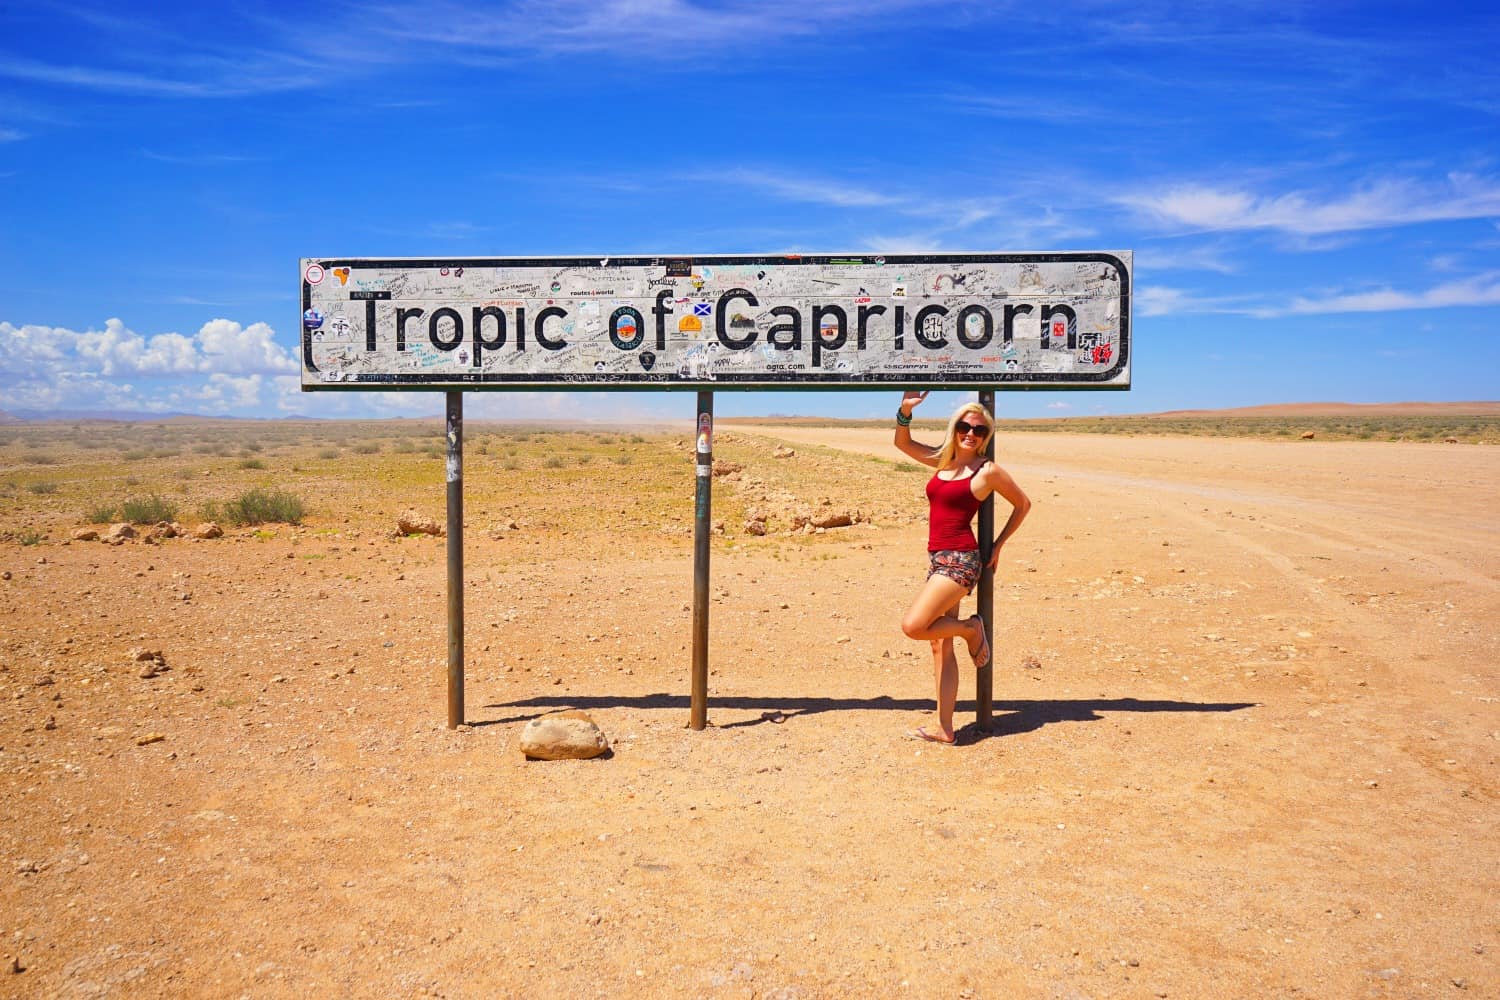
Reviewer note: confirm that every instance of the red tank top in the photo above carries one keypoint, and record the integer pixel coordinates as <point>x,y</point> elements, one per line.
<point>953,505</point>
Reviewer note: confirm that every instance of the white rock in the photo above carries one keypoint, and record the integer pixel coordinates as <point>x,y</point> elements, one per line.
<point>563,736</point>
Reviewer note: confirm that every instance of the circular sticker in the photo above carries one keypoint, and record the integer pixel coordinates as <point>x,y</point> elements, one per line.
<point>313,274</point>
<point>312,319</point>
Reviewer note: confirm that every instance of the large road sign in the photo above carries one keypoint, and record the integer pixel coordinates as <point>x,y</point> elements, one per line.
<point>1009,320</point>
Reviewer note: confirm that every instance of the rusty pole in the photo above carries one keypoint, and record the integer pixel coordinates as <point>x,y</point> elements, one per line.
<point>702,530</point>
<point>455,467</point>
<point>984,679</point>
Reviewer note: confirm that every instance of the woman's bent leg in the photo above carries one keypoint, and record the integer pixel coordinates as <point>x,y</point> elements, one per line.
<point>931,615</point>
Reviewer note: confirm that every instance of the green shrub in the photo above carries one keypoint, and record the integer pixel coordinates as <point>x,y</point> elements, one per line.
<point>260,506</point>
<point>367,447</point>
<point>252,463</point>
<point>43,487</point>
<point>41,459</point>
<point>329,453</point>
<point>148,510</point>
<point>135,454</point>
<point>30,536</point>
<point>100,515</point>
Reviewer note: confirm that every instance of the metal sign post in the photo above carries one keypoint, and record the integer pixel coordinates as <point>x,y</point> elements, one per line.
<point>455,436</point>
<point>984,678</point>
<point>702,531</point>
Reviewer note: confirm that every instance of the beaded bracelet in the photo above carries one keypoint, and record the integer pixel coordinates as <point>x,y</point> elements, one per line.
<point>903,419</point>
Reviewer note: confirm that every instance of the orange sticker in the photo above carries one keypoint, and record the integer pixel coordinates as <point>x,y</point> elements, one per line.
<point>341,273</point>
<point>690,324</point>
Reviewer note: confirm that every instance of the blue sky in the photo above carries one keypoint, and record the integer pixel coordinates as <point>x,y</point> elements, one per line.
<point>1312,190</point>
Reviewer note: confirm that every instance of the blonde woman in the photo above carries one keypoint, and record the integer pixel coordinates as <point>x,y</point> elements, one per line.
<point>963,480</point>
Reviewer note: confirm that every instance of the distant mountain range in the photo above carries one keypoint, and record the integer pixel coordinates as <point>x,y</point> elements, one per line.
<point>121,416</point>
<point>1473,408</point>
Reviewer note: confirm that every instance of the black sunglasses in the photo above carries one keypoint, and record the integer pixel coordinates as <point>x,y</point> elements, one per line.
<point>979,430</point>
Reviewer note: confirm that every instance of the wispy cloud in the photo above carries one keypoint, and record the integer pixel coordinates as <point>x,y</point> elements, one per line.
<point>802,189</point>
<point>570,26</point>
<point>1479,290</point>
<point>1184,259</point>
<point>970,220</point>
<point>198,159</point>
<point>1379,204</point>
<point>11,135</point>
<point>229,80</point>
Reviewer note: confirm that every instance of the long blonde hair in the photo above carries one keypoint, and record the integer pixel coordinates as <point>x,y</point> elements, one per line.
<point>950,441</point>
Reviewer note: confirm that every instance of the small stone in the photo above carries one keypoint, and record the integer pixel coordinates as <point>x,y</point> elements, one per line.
<point>755,528</point>
<point>16,967</point>
<point>1308,435</point>
<point>85,535</point>
<point>5,575</point>
<point>1459,981</point>
<point>148,739</point>
<point>207,530</point>
<point>51,723</point>
<point>1031,663</point>
<point>44,680</point>
<point>569,735</point>
<point>118,533</point>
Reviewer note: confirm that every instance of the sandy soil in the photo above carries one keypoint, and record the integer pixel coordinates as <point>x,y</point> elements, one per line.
<point>1256,756</point>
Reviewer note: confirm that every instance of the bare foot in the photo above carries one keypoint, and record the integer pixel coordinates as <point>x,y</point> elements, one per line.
<point>921,733</point>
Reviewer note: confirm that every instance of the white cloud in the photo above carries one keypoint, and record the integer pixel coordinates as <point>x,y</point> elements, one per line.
<point>1379,204</point>
<point>221,345</point>
<point>220,394</point>
<point>229,347</point>
<point>1479,290</point>
<point>804,189</point>
<point>221,369</point>
<point>1059,406</point>
<point>1193,259</point>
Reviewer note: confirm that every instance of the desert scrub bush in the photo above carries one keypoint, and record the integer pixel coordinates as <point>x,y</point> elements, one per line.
<point>205,448</point>
<point>260,506</point>
<point>148,510</point>
<point>622,459</point>
<point>44,487</point>
<point>103,514</point>
<point>42,458</point>
<point>329,453</point>
<point>367,448</point>
<point>252,463</point>
<point>135,454</point>
<point>30,536</point>
<point>404,447</point>
<point>553,463</point>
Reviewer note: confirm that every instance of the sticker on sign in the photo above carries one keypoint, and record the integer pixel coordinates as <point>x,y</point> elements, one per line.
<point>962,320</point>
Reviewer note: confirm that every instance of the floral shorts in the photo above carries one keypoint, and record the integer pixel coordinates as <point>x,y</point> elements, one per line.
<point>961,567</point>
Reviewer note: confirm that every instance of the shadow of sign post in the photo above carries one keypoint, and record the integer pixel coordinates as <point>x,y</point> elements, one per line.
<point>755,322</point>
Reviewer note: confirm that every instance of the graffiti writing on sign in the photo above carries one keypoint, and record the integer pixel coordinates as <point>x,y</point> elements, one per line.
<point>727,322</point>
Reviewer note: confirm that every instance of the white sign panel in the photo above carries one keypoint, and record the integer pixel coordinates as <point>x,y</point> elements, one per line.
<point>974,320</point>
